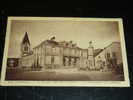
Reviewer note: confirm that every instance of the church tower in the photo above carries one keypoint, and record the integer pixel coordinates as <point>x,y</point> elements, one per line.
<point>25,45</point>
<point>91,61</point>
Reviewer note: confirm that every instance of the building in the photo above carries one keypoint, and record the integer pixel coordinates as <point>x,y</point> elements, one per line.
<point>64,54</point>
<point>51,54</point>
<point>27,55</point>
<point>110,57</point>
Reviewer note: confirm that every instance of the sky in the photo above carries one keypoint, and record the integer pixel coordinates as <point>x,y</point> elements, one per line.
<point>101,33</point>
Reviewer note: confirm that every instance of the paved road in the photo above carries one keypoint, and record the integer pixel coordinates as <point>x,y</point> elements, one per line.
<point>64,75</point>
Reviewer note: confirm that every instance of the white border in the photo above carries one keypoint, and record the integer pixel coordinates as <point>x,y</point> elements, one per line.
<point>125,83</point>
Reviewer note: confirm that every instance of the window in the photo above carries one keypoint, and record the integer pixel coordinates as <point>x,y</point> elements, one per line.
<point>48,49</point>
<point>48,59</point>
<point>56,60</point>
<point>25,48</point>
<point>72,52</point>
<point>108,55</point>
<point>77,52</point>
<point>114,54</point>
<point>66,51</point>
<point>56,50</point>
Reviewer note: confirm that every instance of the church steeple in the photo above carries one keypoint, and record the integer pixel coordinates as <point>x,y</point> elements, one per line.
<point>25,45</point>
<point>26,39</point>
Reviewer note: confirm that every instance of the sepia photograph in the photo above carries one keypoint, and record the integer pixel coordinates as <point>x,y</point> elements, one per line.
<point>58,51</point>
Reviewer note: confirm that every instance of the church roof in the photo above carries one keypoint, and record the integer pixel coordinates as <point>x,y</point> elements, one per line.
<point>26,39</point>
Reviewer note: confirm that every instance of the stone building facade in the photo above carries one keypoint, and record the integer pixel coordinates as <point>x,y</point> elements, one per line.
<point>64,54</point>
<point>51,54</point>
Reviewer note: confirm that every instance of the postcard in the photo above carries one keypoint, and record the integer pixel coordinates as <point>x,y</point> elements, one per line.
<point>63,51</point>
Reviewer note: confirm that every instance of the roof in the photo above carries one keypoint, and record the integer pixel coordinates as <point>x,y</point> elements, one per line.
<point>26,39</point>
<point>97,51</point>
<point>52,42</point>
